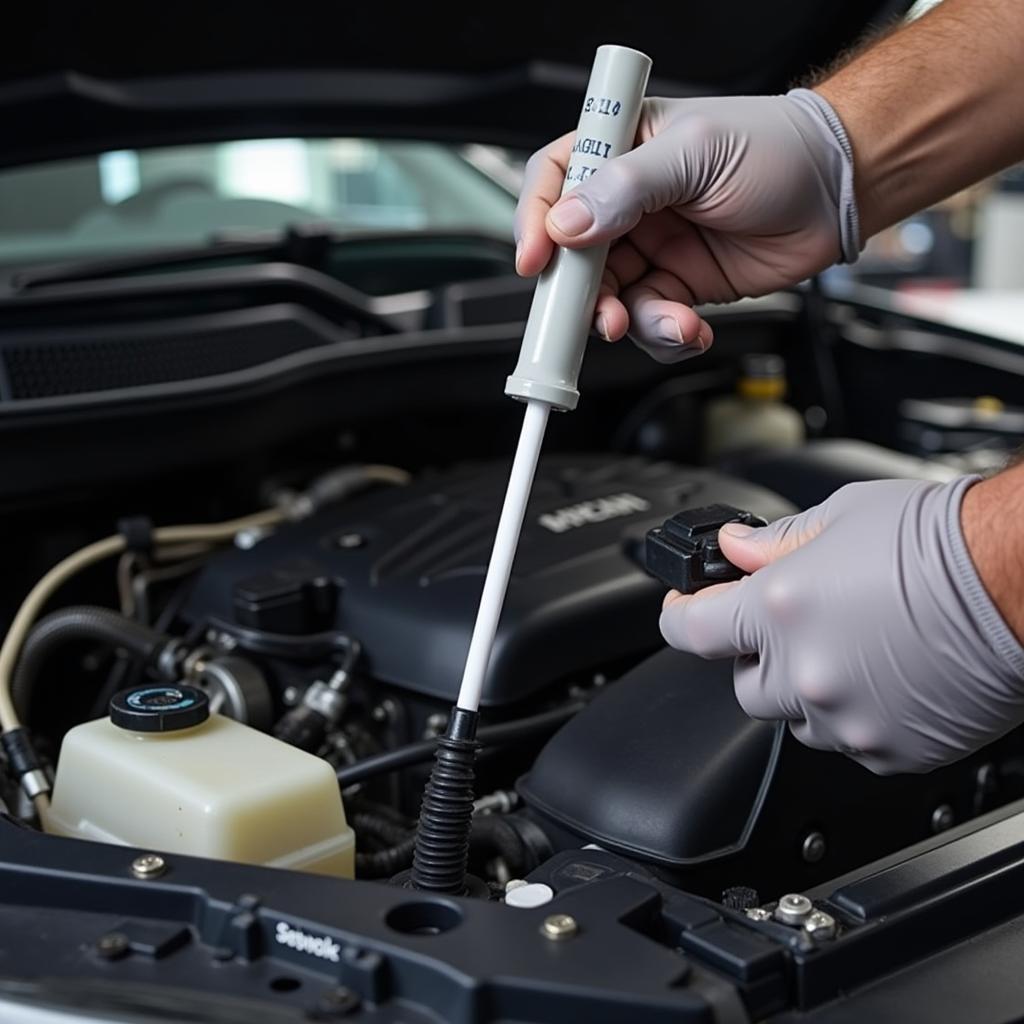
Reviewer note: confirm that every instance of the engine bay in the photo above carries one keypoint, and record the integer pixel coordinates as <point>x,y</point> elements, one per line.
<point>317,608</point>
<point>337,623</point>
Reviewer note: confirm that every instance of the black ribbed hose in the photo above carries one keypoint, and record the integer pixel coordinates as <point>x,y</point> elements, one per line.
<point>441,849</point>
<point>79,622</point>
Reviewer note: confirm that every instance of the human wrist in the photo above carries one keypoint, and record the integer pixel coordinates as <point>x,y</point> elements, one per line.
<point>994,539</point>
<point>842,188</point>
<point>840,101</point>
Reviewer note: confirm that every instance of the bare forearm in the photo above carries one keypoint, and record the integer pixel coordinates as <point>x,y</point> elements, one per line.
<point>933,107</point>
<point>994,533</point>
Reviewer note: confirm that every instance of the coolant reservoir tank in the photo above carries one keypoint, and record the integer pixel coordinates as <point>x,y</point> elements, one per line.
<point>164,774</point>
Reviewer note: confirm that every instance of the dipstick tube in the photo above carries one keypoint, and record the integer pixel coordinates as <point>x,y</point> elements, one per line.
<point>499,569</point>
<point>544,378</point>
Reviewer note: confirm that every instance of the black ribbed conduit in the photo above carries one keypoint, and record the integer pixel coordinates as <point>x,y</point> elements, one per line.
<point>79,622</point>
<point>441,849</point>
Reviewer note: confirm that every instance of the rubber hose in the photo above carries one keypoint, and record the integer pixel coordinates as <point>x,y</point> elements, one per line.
<point>385,863</point>
<point>79,622</point>
<point>490,834</point>
<point>495,833</point>
<point>516,731</point>
<point>374,825</point>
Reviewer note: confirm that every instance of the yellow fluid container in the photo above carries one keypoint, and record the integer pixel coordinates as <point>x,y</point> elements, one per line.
<point>164,774</point>
<point>755,417</point>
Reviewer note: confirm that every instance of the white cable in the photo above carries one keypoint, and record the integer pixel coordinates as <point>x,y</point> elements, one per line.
<point>504,552</point>
<point>210,533</point>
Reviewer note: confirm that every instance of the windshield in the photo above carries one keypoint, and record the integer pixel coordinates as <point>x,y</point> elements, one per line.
<point>186,195</point>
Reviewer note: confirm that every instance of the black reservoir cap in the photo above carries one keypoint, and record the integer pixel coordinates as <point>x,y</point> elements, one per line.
<point>159,708</point>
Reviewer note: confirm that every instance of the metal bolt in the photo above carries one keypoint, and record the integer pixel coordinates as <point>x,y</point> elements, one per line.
<point>942,818</point>
<point>758,914</point>
<point>339,1002</point>
<point>559,926</point>
<point>793,909</point>
<point>113,946</point>
<point>350,541</point>
<point>813,847</point>
<point>149,865</point>
<point>435,725</point>
<point>820,925</point>
<point>515,883</point>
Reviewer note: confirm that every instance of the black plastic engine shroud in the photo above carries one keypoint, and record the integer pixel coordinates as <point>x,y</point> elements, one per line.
<point>401,570</point>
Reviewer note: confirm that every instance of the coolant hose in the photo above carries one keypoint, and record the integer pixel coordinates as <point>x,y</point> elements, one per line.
<point>79,622</point>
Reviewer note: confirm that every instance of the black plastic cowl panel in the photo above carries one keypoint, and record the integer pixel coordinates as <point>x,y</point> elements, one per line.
<point>408,566</point>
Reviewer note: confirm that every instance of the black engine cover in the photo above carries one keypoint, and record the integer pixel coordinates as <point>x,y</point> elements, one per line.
<point>402,570</point>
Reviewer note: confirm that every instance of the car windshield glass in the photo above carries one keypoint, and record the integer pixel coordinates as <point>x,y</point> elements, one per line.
<point>132,200</point>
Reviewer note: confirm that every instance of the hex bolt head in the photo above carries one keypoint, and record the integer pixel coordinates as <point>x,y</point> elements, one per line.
<point>942,818</point>
<point>793,909</point>
<point>149,865</point>
<point>820,926</point>
<point>559,926</point>
<point>813,847</point>
<point>113,946</point>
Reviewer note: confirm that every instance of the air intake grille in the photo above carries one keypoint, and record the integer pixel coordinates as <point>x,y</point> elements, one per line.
<point>53,366</point>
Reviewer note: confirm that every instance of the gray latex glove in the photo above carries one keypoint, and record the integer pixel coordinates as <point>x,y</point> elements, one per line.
<point>865,626</point>
<point>723,198</point>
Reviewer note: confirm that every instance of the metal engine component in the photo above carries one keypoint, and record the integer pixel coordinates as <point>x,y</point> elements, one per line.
<point>820,926</point>
<point>236,688</point>
<point>793,909</point>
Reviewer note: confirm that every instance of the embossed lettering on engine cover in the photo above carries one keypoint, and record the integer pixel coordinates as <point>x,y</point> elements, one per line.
<point>594,511</point>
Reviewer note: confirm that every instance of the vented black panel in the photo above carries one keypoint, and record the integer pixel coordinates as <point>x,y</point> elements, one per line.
<point>75,362</point>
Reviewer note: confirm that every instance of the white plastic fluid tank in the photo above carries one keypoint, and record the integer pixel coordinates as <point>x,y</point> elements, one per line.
<point>164,774</point>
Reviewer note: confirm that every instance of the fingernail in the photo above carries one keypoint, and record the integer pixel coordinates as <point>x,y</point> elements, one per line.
<point>738,530</point>
<point>601,325</point>
<point>667,329</point>
<point>519,252</point>
<point>571,216</point>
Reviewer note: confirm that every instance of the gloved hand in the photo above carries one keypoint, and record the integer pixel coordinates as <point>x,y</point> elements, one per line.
<point>865,625</point>
<point>723,198</point>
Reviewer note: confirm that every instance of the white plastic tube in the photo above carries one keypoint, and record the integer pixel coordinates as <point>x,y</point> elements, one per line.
<point>556,333</point>
<point>505,542</point>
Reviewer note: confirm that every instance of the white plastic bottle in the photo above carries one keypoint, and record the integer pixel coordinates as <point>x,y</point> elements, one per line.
<point>164,774</point>
<point>756,416</point>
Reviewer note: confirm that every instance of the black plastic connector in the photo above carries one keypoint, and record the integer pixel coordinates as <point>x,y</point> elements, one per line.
<point>684,554</point>
<point>138,534</point>
<point>24,763</point>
